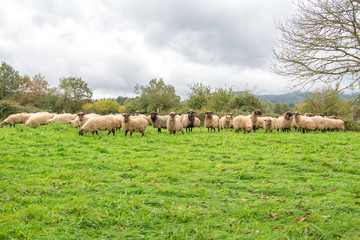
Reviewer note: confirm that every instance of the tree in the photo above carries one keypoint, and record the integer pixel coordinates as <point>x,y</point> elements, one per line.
<point>325,100</point>
<point>198,96</point>
<point>320,43</point>
<point>9,80</point>
<point>106,106</point>
<point>246,102</point>
<point>156,95</point>
<point>74,93</point>
<point>30,91</point>
<point>221,100</point>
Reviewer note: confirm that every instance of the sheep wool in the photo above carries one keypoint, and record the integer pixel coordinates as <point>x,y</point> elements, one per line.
<point>66,118</point>
<point>174,124</point>
<point>305,123</point>
<point>15,119</point>
<point>267,125</point>
<point>38,119</point>
<point>188,120</point>
<point>211,121</point>
<point>284,122</point>
<point>101,123</point>
<point>242,123</point>
<point>130,124</point>
<point>158,121</point>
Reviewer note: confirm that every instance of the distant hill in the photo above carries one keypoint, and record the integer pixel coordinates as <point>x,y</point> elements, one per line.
<point>283,98</point>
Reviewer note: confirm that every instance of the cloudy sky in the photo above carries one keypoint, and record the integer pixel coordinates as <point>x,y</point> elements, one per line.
<point>115,44</point>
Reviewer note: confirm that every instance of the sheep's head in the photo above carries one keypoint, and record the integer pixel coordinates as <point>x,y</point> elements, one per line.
<point>268,122</point>
<point>81,115</point>
<point>249,128</point>
<point>296,114</point>
<point>231,115</point>
<point>287,115</point>
<point>137,113</point>
<point>227,118</point>
<point>126,116</point>
<point>81,132</point>
<point>3,124</point>
<point>320,114</point>
<point>172,114</point>
<point>257,112</point>
<point>153,115</point>
<point>308,115</point>
<point>208,114</point>
<point>191,115</point>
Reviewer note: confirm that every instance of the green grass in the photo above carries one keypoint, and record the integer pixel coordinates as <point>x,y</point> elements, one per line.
<point>55,184</point>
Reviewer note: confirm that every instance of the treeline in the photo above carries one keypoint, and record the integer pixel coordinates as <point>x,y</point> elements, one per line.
<point>31,94</point>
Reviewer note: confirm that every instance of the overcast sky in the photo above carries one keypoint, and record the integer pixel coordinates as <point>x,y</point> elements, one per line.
<point>115,44</point>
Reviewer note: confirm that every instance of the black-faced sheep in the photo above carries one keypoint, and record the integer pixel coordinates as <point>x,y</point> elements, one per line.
<point>16,119</point>
<point>246,123</point>
<point>211,121</point>
<point>174,124</point>
<point>130,124</point>
<point>284,122</point>
<point>305,123</point>
<point>254,116</point>
<point>158,121</point>
<point>188,120</point>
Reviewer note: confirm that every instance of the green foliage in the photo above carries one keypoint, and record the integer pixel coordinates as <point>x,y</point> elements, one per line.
<point>281,108</point>
<point>106,106</point>
<point>352,126</point>
<point>8,107</point>
<point>59,185</point>
<point>74,92</point>
<point>9,80</point>
<point>326,100</point>
<point>198,96</point>
<point>156,95</point>
<point>246,102</point>
<point>87,107</point>
<point>221,100</point>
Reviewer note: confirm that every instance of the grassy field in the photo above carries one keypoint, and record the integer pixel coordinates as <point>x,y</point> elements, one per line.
<point>55,184</point>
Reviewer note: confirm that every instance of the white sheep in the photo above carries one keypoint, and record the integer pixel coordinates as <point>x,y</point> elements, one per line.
<point>38,119</point>
<point>267,125</point>
<point>131,124</point>
<point>254,116</point>
<point>15,119</point>
<point>66,118</point>
<point>174,124</point>
<point>226,121</point>
<point>305,123</point>
<point>211,121</point>
<point>243,123</point>
<point>81,119</point>
<point>101,123</point>
<point>284,122</point>
<point>158,121</point>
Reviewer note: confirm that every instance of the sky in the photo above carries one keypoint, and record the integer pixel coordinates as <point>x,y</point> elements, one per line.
<point>115,44</point>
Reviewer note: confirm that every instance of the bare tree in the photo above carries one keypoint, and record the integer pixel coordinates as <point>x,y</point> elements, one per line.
<point>320,42</point>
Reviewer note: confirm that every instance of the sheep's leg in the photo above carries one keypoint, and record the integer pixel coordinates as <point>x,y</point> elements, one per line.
<point>182,132</point>
<point>113,131</point>
<point>126,132</point>
<point>130,133</point>
<point>142,134</point>
<point>109,132</point>
<point>159,130</point>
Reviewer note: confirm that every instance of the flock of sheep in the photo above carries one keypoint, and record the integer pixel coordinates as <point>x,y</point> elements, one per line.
<point>177,123</point>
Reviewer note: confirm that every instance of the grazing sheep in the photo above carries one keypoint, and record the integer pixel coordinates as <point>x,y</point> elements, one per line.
<point>158,121</point>
<point>174,124</point>
<point>101,123</point>
<point>284,122</point>
<point>66,118</point>
<point>131,124</point>
<point>226,121</point>
<point>38,119</point>
<point>242,123</point>
<point>211,121</point>
<point>338,125</point>
<point>267,124</point>
<point>197,122</point>
<point>15,119</point>
<point>188,120</point>
<point>81,119</point>
<point>305,123</point>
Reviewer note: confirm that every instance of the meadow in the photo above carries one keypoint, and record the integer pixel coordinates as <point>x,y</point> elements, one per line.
<point>55,184</point>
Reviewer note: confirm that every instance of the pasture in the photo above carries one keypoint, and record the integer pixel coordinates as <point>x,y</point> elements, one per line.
<point>55,184</point>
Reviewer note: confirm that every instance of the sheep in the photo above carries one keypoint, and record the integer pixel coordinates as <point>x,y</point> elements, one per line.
<point>118,121</point>
<point>211,121</point>
<point>267,122</point>
<point>66,118</point>
<point>158,121</point>
<point>338,124</point>
<point>242,123</point>
<point>308,115</point>
<point>305,123</point>
<point>188,120</point>
<point>15,119</point>
<point>131,124</point>
<point>293,124</point>
<point>174,124</point>
<point>38,119</point>
<point>284,123</point>
<point>260,122</point>
<point>226,121</point>
<point>197,122</point>
<point>254,116</point>
<point>81,119</point>
<point>101,123</point>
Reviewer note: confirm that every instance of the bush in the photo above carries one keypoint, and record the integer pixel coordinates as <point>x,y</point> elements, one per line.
<point>8,107</point>
<point>352,126</point>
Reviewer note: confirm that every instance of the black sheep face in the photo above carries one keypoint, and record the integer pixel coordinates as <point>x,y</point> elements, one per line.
<point>257,112</point>
<point>153,115</point>
<point>209,114</point>
<point>81,115</point>
<point>126,116</point>
<point>172,115</point>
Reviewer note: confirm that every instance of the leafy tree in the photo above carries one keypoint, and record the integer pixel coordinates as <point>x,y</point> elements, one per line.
<point>198,96</point>
<point>281,108</point>
<point>87,107</point>
<point>221,100</point>
<point>246,102</point>
<point>121,100</point>
<point>49,101</point>
<point>106,106</point>
<point>325,100</point>
<point>74,93</point>
<point>9,80</point>
<point>156,95</point>
<point>31,90</point>
<point>320,43</point>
